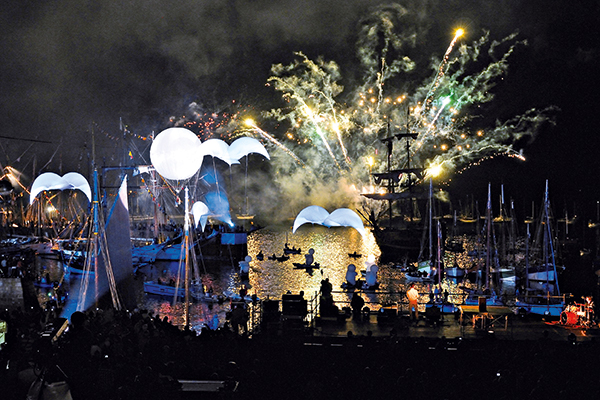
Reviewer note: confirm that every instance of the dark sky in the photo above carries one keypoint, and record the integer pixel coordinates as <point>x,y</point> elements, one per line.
<point>70,64</point>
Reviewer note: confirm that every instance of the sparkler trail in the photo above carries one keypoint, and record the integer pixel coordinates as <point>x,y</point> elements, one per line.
<point>308,104</point>
<point>432,123</point>
<point>308,113</point>
<point>251,123</point>
<point>335,125</point>
<point>441,71</point>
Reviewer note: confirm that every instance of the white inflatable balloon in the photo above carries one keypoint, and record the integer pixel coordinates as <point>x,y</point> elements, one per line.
<point>77,181</point>
<point>200,212</point>
<point>44,182</point>
<point>311,214</point>
<point>345,217</point>
<point>175,153</point>
<point>245,145</point>
<point>319,215</point>
<point>351,274</point>
<point>371,279</point>
<point>217,148</point>
<point>52,181</point>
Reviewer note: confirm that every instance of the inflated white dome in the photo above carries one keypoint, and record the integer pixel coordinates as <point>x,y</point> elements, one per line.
<point>175,153</point>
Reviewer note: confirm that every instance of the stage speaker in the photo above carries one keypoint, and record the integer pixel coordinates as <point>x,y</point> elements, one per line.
<point>270,306</point>
<point>387,314</point>
<point>294,305</point>
<point>482,305</point>
<point>270,311</point>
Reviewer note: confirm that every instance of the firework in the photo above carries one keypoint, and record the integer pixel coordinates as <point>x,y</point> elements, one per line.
<point>442,69</point>
<point>321,118</point>
<point>334,133</point>
<point>264,134</point>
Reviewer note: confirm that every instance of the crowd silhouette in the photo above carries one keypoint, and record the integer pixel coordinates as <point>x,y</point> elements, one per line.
<point>109,354</point>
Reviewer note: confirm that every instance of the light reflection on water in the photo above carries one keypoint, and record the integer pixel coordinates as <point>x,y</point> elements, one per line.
<point>270,278</point>
<point>331,246</point>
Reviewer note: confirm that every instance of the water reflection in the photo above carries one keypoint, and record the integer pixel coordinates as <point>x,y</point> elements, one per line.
<point>270,278</point>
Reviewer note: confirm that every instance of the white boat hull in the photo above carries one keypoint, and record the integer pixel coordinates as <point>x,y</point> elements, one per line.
<point>454,273</point>
<point>552,310</point>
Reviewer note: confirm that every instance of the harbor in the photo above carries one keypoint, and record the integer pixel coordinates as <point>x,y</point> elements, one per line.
<point>273,325</point>
<point>354,200</point>
<point>319,288</point>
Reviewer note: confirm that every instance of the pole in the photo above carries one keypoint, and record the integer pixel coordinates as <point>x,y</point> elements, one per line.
<point>186,228</point>
<point>155,192</point>
<point>95,216</point>
<point>439,252</point>
<point>95,238</point>
<point>430,218</point>
<point>527,259</point>
<point>488,229</point>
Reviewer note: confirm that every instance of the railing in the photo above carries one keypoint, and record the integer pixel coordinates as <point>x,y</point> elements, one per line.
<point>543,299</point>
<point>375,303</point>
<point>377,299</point>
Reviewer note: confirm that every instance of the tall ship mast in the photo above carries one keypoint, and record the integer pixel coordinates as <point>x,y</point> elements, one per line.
<point>400,236</point>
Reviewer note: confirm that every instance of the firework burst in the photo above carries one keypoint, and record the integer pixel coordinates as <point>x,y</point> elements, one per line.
<point>337,131</point>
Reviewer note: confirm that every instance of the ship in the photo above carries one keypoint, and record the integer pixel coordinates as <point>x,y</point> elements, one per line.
<point>401,235</point>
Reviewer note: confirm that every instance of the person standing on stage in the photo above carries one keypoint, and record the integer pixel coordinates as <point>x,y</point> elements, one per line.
<point>413,302</point>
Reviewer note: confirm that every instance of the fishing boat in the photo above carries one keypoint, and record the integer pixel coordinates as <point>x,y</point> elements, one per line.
<point>280,258</point>
<point>541,293</point>
<point>291,250</point>
<point>170,250</point>
<point>170,289</point>
<point>428,268</point>
<point>417,277</point>
<point>309,267</point>
<point>41,245</point>
<point>73,248</point>
<point>455,273</point>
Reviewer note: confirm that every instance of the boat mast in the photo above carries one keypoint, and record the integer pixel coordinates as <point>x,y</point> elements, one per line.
<point>246,187</point>
<point>390,147</point>
<point>155,190</point>
<point>549,244</point>
<point>488,230</point>
<point>503,217</point>
<point>186,227</point>
<point>527,258</point>
<point>95,203</point>
<point>431,219</point>
<point>408,135</point>
<point>439,251</point>
<point>513,233</point>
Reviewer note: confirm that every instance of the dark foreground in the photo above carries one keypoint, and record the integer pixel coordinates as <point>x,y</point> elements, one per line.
<point>137,356</point>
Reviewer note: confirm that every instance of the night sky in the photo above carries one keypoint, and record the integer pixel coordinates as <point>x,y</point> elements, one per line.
<point>71,66</point>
